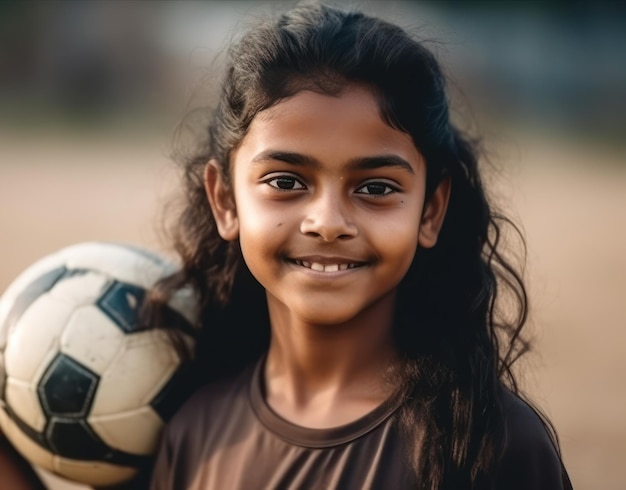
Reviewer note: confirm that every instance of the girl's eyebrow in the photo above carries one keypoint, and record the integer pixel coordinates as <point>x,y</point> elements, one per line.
<point>381,161</point>
<point>287,157</point>
<point>359,163</point>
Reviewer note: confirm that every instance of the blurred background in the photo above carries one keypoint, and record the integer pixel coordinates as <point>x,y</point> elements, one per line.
<point>90,93</point>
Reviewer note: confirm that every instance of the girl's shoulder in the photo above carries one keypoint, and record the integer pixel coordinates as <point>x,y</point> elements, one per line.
<point>210,402</point>
<point>530,458</point>
<point>215,408</point>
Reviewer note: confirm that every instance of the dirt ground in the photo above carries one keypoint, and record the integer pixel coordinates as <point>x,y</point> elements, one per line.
<point>570,199</point>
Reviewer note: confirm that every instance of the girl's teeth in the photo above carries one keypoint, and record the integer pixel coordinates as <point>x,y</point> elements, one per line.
<point>325,268</point>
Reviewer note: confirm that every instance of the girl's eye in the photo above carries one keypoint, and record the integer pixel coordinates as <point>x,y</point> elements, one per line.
<point>285,183</point>
<point>376,189</point>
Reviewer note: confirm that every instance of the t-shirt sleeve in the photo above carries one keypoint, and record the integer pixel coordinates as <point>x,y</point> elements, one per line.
<point>171,465</point>
<point>530,460</point>
<point>162,469</point>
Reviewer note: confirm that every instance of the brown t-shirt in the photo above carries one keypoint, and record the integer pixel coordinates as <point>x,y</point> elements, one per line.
<point>227,437</point>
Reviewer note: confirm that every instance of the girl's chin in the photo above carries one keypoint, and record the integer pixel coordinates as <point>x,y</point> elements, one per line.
<point>323,319</point>
<point>327,314</point>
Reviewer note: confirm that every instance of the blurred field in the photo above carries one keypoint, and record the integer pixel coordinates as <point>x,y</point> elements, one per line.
<point>570,199</point>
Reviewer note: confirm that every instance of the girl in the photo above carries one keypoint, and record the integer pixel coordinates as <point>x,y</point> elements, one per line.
<point>349,267</point>
<point>350,274</point>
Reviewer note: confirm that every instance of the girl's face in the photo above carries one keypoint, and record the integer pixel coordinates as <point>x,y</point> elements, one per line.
<point>328,205</point>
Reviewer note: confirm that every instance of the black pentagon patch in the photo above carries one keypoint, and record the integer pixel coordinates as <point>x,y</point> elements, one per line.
<point>67,388</point>
<point>122,302</point>
<point>75,439</point>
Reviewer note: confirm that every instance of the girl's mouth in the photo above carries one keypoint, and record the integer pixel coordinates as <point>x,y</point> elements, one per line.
<point>316,266</point>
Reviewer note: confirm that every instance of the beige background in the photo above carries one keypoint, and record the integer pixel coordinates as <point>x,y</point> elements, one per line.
<point>63,188</point>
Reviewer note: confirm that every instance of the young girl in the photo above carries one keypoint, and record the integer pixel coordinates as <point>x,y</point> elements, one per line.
<point>349,267</point>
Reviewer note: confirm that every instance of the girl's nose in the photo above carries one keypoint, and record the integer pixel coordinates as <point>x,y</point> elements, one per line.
<point>329,219</point>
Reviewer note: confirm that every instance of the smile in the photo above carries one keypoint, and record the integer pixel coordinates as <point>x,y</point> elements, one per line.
<point>316,266</point>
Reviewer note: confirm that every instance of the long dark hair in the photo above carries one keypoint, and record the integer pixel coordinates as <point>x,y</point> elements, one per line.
<point>458,346</point>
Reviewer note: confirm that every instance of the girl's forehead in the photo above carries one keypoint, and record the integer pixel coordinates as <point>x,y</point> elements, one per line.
<point>326,127</point>
<point>353,111</point>
<point>315,102</point>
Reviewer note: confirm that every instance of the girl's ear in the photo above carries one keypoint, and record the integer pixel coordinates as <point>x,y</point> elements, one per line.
<point>222,202</point>
<point>433,214</point>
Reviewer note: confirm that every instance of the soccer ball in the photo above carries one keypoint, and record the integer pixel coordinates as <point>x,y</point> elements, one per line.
<point>85,388</point>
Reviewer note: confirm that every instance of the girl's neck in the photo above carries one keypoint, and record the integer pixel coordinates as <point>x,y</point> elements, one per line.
<point>328,375</point>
